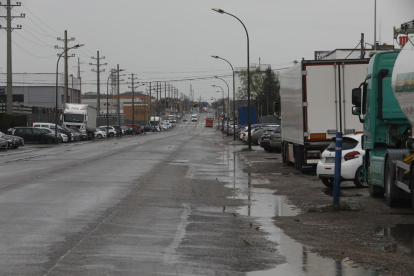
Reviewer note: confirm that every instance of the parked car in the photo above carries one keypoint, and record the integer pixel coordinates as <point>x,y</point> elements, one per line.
<point>185,120</point>
<point>76,136</point>
<point>100,132</point>
<point>119,130</point>
<point>130,130</point>
<point>137,127</point>
<point>146,128</point>
<point>351,162</point>
<point>13,141</point>
<point>275,139</point>
<point>111,130</point>
<point>4,144</point>
<point>60,136</point>
<point>33,135</point>
<point>265,139</point>
<point>44,125</point>
<point>83,135</point>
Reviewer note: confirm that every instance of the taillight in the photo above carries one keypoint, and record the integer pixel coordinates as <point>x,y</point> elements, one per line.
<point>271,137</point>
<point>351,155</point>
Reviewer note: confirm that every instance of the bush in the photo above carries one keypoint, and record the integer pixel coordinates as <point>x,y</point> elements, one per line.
<point>12,120</point>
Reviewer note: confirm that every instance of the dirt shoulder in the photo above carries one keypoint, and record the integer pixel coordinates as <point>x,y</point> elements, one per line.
<point>361,235</point>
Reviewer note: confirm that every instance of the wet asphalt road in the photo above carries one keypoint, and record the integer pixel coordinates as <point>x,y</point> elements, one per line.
<point>138,205</point>
<point>146,205</point>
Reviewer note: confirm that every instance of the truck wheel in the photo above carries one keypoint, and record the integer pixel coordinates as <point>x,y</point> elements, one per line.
<point>391,191</point>
<point>328,182</point>
<point>359,179</point>
<point>99,136</point>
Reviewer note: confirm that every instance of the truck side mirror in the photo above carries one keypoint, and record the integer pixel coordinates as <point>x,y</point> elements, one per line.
<point>356,110</point>
<point>356,96</point>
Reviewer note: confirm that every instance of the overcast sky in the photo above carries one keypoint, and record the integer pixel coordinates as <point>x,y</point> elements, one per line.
<point>170,40</point>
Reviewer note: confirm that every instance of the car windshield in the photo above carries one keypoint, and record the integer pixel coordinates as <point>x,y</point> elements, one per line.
<point>74,118</point>
<point>347,144</point>
<point>277,130</point>
<point>100,129</point>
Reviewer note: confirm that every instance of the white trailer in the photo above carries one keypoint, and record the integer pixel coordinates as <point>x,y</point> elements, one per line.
<point>82,116</point>
<point>316,100</point>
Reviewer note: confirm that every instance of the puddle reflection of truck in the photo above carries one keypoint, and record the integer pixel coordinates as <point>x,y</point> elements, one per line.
<point>384,103</point>
<point>81,116</point>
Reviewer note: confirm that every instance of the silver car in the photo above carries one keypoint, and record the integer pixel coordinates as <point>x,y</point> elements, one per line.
<point>276,139</point>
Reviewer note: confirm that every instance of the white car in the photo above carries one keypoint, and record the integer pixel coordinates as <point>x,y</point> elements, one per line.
<point>111,131</point>
<point>194,119</point>
<point>100,132</point>
<point>351,163</point>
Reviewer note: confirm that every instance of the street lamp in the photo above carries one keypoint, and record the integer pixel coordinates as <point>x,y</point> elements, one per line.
<point>249,126</point>
<point>228,102</point>
<point>56,107</point>
<point>222,102</point>
<point>234,97</point>
<point>107,100</point>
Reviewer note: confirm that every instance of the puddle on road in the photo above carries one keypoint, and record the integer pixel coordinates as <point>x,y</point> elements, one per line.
<point>403,234</point>
<point>264,205</point>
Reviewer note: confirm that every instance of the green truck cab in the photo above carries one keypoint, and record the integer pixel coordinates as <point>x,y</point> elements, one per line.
<point>386,128</point>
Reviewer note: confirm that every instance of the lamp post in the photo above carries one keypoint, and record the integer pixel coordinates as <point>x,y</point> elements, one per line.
<point>228,102</point>
<point>249,126</point>
<point>107,100</point>
<point>56,107</point>
<point>234,97</point>
<point>133,97</point>
<point>222,102</point>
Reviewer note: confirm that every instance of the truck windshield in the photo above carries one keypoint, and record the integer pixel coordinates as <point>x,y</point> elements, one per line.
<point>74,118</point>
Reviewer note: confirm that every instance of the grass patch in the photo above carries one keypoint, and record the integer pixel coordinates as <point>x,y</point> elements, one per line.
<point>342,206</point>
<point>246,149</point>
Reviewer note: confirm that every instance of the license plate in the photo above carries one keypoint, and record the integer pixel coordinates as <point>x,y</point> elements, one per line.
<point>330,160</point>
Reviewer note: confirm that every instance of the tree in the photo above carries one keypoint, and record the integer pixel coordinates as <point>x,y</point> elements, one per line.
<point>264,89</point>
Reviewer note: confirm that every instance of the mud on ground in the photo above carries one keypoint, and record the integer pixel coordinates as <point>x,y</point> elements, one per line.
<point>357,235</point>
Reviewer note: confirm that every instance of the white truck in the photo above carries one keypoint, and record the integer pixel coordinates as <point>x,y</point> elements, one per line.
<point>81,116</point>
<point>315,98</point>
<point>155,120</point>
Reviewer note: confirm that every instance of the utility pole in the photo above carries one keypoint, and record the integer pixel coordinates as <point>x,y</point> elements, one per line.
<point>150,105</point>
<point>118,102</point>
<point>9,30</point>
<point>165,96</point>
<point>65,48</point>
<point>133,104</point>
<point>98,82</point>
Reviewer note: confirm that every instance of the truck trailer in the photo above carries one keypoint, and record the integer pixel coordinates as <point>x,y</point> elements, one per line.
<point>384,102</point>
<point>315,104</point>
<point>82,116</point>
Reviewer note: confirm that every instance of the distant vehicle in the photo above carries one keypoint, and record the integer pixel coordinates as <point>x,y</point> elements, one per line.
<point>275,139</point>
<point>82,116</point>
<point>155,120</point>
<point>83,135</point>
<point>194,119</point>
<point>209,121</point>
<point>351,162</point>
<point>185,120</point>
<point>111,131</point>
<point>130,130</point>
<point>4,144</point>
<point>100,132</point>
<point>310,103</point>
<point>13,141</point>
<point>33,135</point>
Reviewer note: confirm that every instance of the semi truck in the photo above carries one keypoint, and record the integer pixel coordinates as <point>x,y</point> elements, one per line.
<point>384,102</point>
<point>81,116</point>
<point>315,104</point>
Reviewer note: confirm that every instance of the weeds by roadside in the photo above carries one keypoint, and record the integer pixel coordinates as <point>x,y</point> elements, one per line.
<point>342,206</point>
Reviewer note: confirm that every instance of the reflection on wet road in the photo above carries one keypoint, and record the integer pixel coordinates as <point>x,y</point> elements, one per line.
<point>264,206</point>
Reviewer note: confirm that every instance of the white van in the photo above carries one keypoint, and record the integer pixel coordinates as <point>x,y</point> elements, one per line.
<point>45,125</point>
